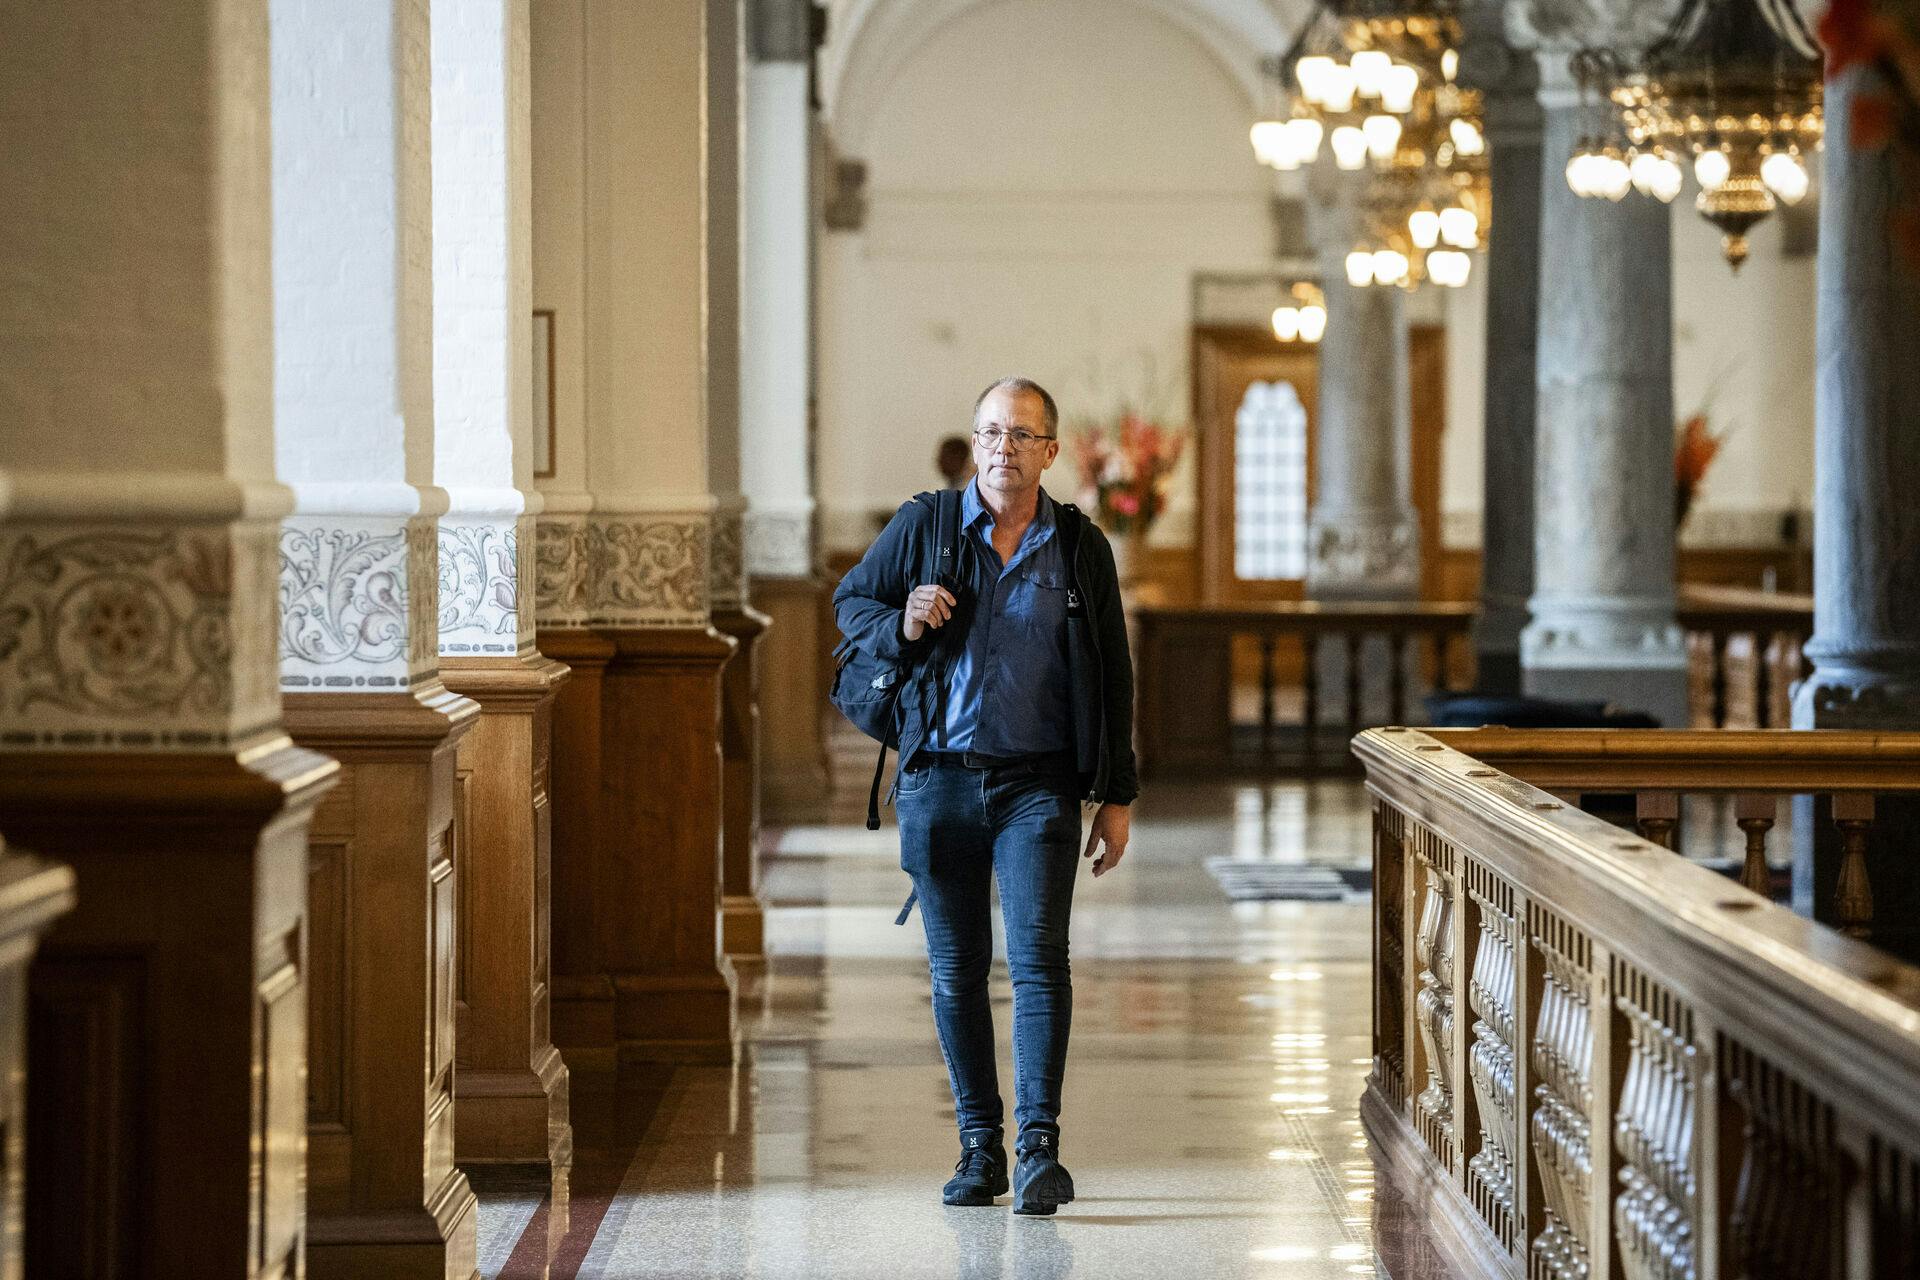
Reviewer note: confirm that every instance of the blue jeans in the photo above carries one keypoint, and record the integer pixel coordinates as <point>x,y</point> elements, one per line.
<point>959,829</point>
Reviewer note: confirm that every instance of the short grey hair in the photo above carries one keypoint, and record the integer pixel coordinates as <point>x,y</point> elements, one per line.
<point>1030,387</point>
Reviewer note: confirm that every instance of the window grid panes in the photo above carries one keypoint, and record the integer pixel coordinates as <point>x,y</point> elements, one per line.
<point>1270,484</point>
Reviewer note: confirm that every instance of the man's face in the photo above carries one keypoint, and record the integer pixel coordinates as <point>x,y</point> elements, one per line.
<point>1004,466</point>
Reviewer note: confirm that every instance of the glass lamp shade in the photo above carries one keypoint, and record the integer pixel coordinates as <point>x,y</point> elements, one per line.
<point>1338,85</point>
<point>1389,266</point>
<point>1448,268</point>
<point>1311,73</point>
<point>1712,169</point>
<point>1286,323</point>
<point>1313,323</point>
<point>1370,68</point>
<point>1382,134</point>
<point>1450,64</point>
<point>1460,227</point>
<point>1612,176</point>
<point>1424,226</point>
<point>1644,168</point>
<point>1785,176</point>
<point>1303,134</point>
<point>1667,180</point>
<point>1578,167</point>
<point>1467,138</point>
<point>1270,143</point>
<point>1359,268</point>
<point>1349,147</point>
<point>1398,89</point>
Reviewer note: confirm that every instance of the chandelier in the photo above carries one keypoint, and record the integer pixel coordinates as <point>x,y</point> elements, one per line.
<point>1374,82</point>
<point>1733,88</point>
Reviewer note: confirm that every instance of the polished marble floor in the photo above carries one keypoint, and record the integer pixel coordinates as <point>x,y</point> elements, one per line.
<point>1210,1123</point>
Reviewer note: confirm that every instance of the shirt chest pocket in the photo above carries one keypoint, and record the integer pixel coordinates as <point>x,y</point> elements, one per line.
<point>1037,599</point>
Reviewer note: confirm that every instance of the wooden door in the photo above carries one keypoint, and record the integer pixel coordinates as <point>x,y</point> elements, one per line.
<point>1227,362</point>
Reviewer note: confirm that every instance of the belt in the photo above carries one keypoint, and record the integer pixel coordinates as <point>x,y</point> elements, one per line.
<point>975,760</point>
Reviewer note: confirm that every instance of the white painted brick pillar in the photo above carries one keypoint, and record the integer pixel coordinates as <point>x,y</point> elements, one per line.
<point>776,316</point>
<point>138,509</point>
<point>482,316</point>
<point>353,344</point>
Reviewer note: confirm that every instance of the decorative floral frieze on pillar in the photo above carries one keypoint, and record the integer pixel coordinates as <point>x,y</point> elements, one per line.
<point>118,637</point>
<point>483,562</point>
<point>358,603</point>
<point>624,570</point>
<point>728,578</point>
<point>778,544</point>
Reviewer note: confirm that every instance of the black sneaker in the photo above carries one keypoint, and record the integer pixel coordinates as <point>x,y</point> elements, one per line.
<point>981,1173</point>
<point>1040,1182</point>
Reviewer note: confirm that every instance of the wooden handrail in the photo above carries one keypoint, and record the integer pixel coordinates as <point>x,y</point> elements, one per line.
<point>1298,616</point>
<point>1782,761</point>
<point>1589,1051</point>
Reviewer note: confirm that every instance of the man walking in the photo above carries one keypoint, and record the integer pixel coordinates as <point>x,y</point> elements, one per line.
<point>1015,704</point>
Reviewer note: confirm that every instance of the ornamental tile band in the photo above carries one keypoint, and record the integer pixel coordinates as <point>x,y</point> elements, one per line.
<point>623,571</point>
<point>729,577</point>
<point>479,575</point>
<point>357,603</point>
<point>131,638</point>
<point>778,544</point>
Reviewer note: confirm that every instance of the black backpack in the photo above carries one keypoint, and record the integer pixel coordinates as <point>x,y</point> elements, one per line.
<point>866,689</point>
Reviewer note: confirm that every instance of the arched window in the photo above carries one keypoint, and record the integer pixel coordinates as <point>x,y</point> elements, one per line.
<point>1270,484</point>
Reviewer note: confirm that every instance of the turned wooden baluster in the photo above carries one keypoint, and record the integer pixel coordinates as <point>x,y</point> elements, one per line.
<point>1440,681</point>
<point>1719,668</point>
<point>1657,813</point>
<point>1853,894</point>
<point>1266,699</point>
<point>1754,815</point>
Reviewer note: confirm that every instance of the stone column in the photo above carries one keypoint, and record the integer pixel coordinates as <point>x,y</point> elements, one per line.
<point>626,544</point>
<point>1865,647</point>
<point>1364,541</point>
<point>140,733</point>
<point>511,1117</point>
<point>776,380</point>
<point>359,637</point>
<point>1603,606</point>
<point>1513,122</point>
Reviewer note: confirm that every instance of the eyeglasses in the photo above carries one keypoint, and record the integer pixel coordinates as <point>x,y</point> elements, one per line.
<point>1019,439</point>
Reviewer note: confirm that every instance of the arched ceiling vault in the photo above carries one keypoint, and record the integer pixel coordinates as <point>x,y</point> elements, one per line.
<point>869,40</point>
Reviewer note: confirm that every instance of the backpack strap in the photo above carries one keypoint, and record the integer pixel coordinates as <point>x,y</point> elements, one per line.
<point>1071,521</point>
<point>944,569</point>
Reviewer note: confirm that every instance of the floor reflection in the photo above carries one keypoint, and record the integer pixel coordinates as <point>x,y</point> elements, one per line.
<point>1210,1116</point>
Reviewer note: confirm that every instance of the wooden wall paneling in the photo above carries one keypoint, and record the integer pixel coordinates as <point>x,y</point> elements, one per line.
<point>511,1088</point>
<point>582,992</point>
<point>384,1195</point>
<point>654,918</point>
<point>793,690</point>
<point>742,918</point>
<point>33,893</point>
<point>165,1118</point>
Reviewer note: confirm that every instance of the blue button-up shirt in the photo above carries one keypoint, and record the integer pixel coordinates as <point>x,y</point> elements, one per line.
<point>1009,692</point>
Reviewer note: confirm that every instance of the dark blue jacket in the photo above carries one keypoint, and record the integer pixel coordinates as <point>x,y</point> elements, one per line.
<point>869,601</point>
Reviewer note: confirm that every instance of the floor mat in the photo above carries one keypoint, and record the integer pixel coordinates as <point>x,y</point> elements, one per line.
<point>1246,881</point>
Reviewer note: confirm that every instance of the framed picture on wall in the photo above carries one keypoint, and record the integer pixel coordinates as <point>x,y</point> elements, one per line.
<point>543,394</point>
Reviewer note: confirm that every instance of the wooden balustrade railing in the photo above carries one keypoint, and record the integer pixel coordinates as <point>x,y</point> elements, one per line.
<point>1382,656</point>
<point>1593,1058</point>
<point>1744,649</point>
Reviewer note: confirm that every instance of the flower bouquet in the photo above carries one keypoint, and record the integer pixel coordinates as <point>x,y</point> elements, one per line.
<point>1125,470</point>
<point>1694,449</point>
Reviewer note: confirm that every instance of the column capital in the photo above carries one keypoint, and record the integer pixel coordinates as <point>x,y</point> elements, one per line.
<point>1563,27</point>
